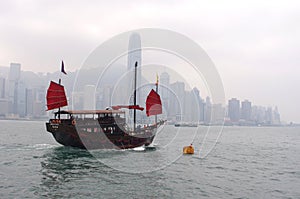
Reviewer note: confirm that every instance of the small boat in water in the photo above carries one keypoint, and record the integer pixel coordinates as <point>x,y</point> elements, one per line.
<point>185,125</point>
<point>188,149</point>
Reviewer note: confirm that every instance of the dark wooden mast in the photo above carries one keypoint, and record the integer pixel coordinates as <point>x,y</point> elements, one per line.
<point>134,96</point>
<point>59,82</point>
<point>156,89</point>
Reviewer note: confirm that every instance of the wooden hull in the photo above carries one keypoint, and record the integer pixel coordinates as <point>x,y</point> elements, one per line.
<point>92,135</point>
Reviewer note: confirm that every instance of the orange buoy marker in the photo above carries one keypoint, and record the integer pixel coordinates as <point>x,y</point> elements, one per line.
<point>188,149</point>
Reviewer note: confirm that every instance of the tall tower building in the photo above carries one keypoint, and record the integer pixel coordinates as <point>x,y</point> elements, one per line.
<point>29,100</point>
<point>218,113</point>
<point>246,110</point>
<point>276,116</point>
<point>269,115</point>
<point>13,83</point>
<point>21,101</point>
<point>207,110</point>
<point>164,90</point>
<point>134,55</point>
<point>89,97</point>
<point>177,101</point>
<point>164,82</point>
<point>2,87</point>
<point>195,105</point>
<point>234,109</point>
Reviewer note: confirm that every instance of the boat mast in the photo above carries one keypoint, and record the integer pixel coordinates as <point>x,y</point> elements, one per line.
<point>156,89</point>
<point>59,82</point>
<point>134,95</point>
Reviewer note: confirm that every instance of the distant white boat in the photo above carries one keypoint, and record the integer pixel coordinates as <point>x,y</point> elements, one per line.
<point>186,125</point>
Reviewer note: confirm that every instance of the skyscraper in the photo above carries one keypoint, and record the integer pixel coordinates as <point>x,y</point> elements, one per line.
<point>207,110</point>
<point>195,105</point>
<point>246,110</point>
<point>2,87</point>
<point>164,82</point>
<point>164,90</point>
<point>218,113</point>
<point>134,55</point>
<point>13,81</point>
<point>29,101</point>
<point>177,101</point>
<point>234,109</point>
<point>89,97</point>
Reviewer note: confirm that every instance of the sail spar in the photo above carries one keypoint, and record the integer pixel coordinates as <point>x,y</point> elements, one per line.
<point>153,104</point>
<point>56,96</point>
<point>128,106</point>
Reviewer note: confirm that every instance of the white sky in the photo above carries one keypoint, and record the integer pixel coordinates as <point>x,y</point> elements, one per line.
<point>255,45</point>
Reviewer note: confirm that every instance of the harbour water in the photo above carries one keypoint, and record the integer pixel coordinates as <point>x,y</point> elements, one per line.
<point>241,162</point>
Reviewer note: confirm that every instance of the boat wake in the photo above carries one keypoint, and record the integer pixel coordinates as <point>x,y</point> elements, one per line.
<point>42,146</point>
<point>150,147</point>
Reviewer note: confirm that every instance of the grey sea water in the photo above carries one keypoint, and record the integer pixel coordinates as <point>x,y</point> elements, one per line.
<point>247,162</point>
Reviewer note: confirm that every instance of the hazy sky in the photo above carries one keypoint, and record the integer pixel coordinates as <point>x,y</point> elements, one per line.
<point>254,44</point>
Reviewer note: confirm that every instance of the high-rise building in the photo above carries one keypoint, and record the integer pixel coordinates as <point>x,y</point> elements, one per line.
<point>207,110</point>
<point>107,101</point>
<point>246,110</point>
<point>195,105</point>
<point>29,101</point>
<point>13,81</point>
<point>164,90</point>
<point>177,101</point>
<point>258,114</point>
<point>218,114</point>
<point>187,108</point>
<point>77,100</point>
<point>134,55</point>
<point>21,101</point>
<point>164,84</point>
<point>2,87</point>
<point>234,110</point>
<point>269,115</point>
<point>276,116</point>
<point>89,97</point>
<point>4,105</point>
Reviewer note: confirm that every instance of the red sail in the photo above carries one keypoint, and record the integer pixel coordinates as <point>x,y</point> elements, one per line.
<point>56,96</point>
<point>129,107</point>
<point>153,104</point>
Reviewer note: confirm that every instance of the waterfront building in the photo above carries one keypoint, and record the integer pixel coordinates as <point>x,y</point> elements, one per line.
<point>246,110</point>
<point>234,110</point>
<point>13,83</point>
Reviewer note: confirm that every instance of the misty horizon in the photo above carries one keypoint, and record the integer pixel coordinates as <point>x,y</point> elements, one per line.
<point>253,44</point>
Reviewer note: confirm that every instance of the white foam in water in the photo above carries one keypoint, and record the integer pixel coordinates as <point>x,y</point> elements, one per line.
<point>43,146</point>
<point>141,148</point>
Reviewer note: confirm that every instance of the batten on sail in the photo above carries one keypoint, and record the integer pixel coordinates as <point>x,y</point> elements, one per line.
<point>56,96</point>
<point>153,104</point>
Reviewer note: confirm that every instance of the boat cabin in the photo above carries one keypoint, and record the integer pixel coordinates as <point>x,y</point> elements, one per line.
<point>102,116</point>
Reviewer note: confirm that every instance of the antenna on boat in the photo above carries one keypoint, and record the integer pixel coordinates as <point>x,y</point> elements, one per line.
<point>134,95</point>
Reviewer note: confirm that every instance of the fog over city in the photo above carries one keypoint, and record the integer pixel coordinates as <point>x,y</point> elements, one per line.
<point>254,44</point>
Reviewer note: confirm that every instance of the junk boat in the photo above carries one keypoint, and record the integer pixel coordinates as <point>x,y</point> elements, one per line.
<point>101,129</point>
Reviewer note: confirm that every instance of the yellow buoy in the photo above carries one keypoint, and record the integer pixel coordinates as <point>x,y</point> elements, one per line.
<point>188,149</point>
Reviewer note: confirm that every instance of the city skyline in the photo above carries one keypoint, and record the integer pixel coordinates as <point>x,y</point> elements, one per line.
<point>193,107</point>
